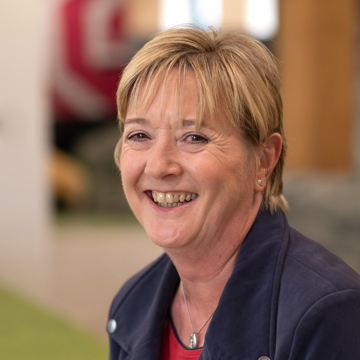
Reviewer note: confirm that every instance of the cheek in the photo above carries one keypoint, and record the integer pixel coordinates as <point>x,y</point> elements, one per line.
<point>240,176</point>
<point>131,168</point>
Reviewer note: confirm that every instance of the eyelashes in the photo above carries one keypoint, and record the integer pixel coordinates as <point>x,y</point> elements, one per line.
<point>196,138</point>
<point>140,136</point>
<point>188,138</point>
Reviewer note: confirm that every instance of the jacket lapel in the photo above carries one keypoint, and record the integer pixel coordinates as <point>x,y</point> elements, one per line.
<point>143,312</point>
<point>244,323</point>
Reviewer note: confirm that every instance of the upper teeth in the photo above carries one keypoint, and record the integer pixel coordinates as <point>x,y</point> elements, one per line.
<point>172,198</point>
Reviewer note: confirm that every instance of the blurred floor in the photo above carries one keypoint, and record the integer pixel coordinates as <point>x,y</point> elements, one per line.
<point>83,269</point>
<point>90,265</point>
<point>86,264</point>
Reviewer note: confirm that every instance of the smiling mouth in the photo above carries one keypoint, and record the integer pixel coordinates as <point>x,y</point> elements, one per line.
<point>171,200</point>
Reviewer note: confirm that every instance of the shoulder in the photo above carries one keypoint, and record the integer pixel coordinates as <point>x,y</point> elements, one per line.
<point>329,329</point>
<point>313,268</point>
<point>319,297</point>
<point>311,273</point>
<point>136,285</point>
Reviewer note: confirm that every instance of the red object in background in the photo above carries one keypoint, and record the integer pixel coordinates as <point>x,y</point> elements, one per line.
<point>88,58</point>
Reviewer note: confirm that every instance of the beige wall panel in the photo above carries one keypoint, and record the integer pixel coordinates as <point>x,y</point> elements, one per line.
<point>317,46</point>
<point>143,17</point>
<point>233,11</point>
<point>24,122</point>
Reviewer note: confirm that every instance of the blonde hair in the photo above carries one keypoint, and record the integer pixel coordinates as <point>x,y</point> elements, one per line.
<point>235,73</point>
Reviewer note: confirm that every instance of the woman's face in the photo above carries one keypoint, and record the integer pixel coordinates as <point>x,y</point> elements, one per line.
<point>202,180</point>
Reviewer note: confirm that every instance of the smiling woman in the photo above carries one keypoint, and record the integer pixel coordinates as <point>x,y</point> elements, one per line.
<point>201,158</point>
<point>166,156</point>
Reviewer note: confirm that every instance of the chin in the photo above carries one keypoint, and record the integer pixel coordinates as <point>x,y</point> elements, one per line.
<point>166,239</point>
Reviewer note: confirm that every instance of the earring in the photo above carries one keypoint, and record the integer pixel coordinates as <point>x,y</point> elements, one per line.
<point>259,182</point>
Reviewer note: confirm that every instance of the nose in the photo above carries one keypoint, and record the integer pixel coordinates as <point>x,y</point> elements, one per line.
<point>163,160</point>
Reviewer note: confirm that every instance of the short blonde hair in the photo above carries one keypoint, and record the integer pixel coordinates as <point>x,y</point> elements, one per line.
<point>235,73</point>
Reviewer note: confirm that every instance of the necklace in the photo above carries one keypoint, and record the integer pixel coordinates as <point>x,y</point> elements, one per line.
<point>193,336</point>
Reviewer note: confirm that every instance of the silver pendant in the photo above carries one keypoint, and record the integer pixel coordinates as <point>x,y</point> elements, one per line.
<point>192,341</point>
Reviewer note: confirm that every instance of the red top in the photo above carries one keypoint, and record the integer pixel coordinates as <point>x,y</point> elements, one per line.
<point>173,349</point>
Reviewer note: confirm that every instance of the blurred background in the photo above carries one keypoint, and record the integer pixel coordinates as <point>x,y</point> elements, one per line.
<point>67,237</point>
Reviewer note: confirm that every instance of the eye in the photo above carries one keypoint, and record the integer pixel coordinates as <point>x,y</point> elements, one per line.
<point>195,138</point>
<point>138,136</point>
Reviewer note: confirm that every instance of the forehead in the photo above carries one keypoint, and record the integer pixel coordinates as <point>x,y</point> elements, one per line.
<point>172,92</point>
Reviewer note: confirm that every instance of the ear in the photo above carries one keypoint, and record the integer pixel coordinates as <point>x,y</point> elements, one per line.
<point>268,157</point>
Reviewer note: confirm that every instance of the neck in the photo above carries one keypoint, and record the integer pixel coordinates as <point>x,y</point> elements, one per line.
<point>208,261</point>
<point>202,297</point>
<point>204,272</point>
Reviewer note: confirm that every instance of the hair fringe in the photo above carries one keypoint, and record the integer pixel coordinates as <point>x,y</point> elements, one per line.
<point>236,75</point>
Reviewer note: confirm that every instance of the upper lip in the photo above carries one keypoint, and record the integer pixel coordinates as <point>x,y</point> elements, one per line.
<point>173,191</point>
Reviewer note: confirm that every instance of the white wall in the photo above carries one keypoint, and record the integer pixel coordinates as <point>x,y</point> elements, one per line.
<point>357,102</point>
<point>24,204</point>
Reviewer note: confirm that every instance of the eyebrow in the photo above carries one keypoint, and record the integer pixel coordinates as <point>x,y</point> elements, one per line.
<point>188,123</point>
<point>140,121</point>
<point>143,121</point>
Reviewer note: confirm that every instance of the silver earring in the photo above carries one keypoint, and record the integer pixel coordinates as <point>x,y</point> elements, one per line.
<point>259,182</point>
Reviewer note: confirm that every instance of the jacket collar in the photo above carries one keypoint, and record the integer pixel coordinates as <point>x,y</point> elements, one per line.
<point>244,323</point>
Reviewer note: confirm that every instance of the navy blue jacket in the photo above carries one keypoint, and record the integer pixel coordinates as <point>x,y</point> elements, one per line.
<point>288,298</point>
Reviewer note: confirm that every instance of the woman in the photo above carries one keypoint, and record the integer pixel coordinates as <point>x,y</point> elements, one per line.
<point>201,157</point>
